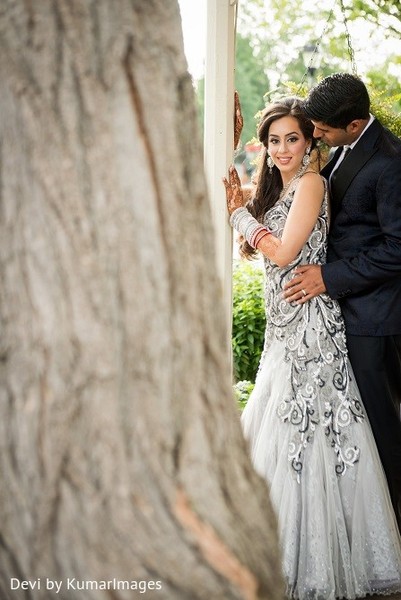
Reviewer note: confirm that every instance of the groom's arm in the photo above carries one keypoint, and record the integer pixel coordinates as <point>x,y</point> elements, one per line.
<point>368,268</point>
<point>382,262</point>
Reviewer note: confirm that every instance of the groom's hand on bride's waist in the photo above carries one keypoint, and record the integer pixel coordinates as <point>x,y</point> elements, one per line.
<point>306,283</point>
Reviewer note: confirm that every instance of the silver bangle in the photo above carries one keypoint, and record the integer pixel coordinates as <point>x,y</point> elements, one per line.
<point>242,220</point>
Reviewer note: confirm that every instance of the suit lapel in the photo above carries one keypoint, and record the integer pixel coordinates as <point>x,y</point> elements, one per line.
<point>353,163</point>
<point>327,169</point>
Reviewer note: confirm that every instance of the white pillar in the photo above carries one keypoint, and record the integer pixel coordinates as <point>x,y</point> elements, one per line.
<point>218,137</point>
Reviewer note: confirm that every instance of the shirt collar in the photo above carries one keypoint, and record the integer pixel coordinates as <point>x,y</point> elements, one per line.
<point>369,123</point>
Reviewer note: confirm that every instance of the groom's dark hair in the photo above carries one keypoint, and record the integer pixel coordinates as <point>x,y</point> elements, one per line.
<point>337,100</point>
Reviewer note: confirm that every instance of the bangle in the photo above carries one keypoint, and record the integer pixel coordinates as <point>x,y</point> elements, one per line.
<point>259,237</point>
<point>253,231</point>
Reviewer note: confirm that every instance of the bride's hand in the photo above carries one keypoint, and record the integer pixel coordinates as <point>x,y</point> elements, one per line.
<point>234,195</point>
<point>238,120</point>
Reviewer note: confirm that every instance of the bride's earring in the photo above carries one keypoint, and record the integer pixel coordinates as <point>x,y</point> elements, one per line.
<point>270,163</point>
<point>306,158</point>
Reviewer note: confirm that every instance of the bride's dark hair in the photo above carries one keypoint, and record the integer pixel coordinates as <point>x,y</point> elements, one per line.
<point>269,185</point>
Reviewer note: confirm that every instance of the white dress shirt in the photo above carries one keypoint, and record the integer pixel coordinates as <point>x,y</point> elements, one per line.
<point>346,149</point>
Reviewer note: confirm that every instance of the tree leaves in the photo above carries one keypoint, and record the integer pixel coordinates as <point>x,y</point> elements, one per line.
<point>249,320</point>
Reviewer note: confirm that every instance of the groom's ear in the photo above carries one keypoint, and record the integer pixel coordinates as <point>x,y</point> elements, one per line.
<point>355,126</point>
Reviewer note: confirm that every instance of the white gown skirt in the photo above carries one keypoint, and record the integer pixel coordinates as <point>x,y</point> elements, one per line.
<point>338,533</point>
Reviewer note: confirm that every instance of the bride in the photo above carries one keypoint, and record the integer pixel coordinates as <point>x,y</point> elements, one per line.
<point>308,432</point>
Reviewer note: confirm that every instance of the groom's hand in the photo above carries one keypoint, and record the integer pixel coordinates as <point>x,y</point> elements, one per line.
<point>307,282</point>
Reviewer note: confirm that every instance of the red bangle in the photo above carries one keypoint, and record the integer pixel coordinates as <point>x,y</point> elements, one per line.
<point>257,231</point>
<point>260,236</point>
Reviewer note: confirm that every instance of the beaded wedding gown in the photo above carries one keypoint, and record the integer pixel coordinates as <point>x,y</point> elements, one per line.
<point>310,439</point>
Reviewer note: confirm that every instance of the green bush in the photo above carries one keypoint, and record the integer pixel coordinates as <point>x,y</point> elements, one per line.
<point>242,391</point>
<point>382,104</point>
<point>249,319</point>
<point>382,108</point>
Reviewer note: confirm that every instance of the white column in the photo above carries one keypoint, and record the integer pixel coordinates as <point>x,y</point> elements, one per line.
<point>218,137</point>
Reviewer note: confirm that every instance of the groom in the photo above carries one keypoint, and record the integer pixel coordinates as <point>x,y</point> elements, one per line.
<point>364,255</point>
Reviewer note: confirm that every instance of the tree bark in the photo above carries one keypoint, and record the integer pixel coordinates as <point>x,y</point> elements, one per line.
<point>122,457</point>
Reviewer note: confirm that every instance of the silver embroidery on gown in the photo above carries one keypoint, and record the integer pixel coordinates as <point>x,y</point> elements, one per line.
<point>310,439</point>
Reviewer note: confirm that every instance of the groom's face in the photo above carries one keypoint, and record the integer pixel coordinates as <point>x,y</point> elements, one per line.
<point>336,136</point>
<point>332,136</point>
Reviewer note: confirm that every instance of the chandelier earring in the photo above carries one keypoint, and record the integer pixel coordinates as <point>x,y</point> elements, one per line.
<point>270,163</point>
<point>306,158</point>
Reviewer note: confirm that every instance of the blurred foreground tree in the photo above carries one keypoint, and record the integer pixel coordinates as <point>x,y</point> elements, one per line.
<point>122,457</point>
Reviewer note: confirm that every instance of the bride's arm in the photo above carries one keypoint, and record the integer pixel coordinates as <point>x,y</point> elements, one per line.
<point>301,219</point>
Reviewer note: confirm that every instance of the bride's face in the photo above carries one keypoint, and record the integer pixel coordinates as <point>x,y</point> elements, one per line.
<point>287,145</point>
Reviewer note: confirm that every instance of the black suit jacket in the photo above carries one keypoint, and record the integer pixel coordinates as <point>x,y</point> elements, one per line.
<point>363,267</point>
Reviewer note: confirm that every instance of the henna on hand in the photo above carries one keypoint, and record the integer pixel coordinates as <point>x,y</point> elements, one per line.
<point>238,120</point>
<point>234,195</point>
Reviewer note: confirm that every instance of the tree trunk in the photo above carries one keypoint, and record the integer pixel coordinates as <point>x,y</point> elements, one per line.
<point>122,458</point>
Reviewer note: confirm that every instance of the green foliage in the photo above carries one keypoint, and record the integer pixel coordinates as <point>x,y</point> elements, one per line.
<point>251,83</point>
<point>249,320</point>
<point>269,53</point>
<point>381,13</point>
<point>383,80</point>
<point>382,104</point>
<point>280,30</point>
<point>382,108</point>
<point>242,391</point>
<point>200,95</point>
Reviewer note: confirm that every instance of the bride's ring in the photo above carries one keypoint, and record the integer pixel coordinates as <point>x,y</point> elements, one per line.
<point>304,293</point>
